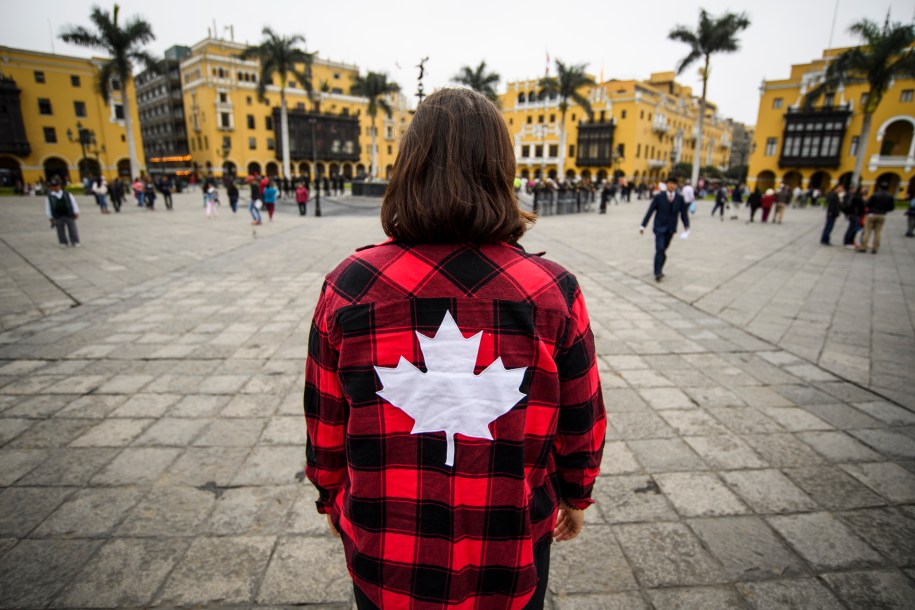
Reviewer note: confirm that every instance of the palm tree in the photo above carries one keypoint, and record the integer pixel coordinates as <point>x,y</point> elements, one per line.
<point>714,35</point>
<point>280,55</point>
<point>567,84</point>
<point>479,80</point>
<point>885,56</point>
<point>375,86</point>
<point>125,47</point>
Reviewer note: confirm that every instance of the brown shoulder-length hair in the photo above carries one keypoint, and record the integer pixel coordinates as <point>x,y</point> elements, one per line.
<point>453,180</point>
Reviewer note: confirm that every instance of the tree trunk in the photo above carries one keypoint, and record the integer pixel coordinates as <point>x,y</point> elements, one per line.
<point>562,148</point>
<point>128,124</point>
<point>697,156</point>
<point>284,126</point>
<point>862,151</point>
<point>374,169</point>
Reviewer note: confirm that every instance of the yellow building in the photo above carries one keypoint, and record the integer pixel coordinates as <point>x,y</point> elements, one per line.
<point>639,130</point>
<point>53,121</point>
<point>230,131</point>
<point>817,147</point>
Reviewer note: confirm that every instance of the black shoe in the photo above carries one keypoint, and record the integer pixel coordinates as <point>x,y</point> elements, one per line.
<point>658,277</point>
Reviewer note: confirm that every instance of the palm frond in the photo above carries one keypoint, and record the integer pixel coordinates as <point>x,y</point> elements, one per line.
<point>81,36</point>
<point>104,80</point>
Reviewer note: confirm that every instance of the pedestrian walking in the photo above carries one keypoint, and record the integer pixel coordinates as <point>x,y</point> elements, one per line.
<point>116,190</point>
<point>833,206</point>
<point>688,193</point>
<point>666,207</point>
<point>721,201</point>
<point>447,487</point>
<point>737,200</point>
<point>165,187</point>
<point>138,191</point>
<point>149,194</point>
<point>62,211</point>
<point>270,199</point>
<point>254,206</point>
<point>301,199</point>
<point>100,190</point>
<point>879,205</point>
<point>767,202</point>
<point>754,202</point>
<point>853,208</point>
<point>782,199</point>
<point>232,194</point>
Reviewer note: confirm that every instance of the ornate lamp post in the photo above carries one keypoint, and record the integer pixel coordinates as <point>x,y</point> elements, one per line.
<point>85,137</point>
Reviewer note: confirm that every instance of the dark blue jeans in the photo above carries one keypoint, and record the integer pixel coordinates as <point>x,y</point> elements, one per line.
<point>854,224</point>
<point>827,230</point>
<point>661,243</point>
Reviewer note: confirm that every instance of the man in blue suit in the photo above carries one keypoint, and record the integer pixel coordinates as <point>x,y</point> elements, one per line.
<point>665,206</point>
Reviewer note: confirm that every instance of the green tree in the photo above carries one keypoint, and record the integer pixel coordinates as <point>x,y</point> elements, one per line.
<point>682,170</point>
<point>710,172</point>
<point>713,35</point>
<point>737,173</point>
<point>124,45</point>
<point>885,56</point>
<point>281,55</point>
<point>567,85</point>
<point>479,79</point>
<point>376,87</point>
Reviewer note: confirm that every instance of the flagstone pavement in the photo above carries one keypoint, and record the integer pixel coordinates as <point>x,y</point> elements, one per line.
<point>760,453</point>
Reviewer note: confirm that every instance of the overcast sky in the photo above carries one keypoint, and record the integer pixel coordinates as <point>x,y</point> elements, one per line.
<point>621,39</point>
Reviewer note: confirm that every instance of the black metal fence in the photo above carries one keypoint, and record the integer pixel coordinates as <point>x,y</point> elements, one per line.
<point>548,202</point>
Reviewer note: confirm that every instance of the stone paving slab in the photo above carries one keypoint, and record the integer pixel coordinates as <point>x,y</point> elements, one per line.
<point>151,438</point>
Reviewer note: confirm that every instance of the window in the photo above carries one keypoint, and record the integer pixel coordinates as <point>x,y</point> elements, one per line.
<point>572,150</point>
<point>621,149</point>
<point>74,80</point>
<point>248,100</point>
<point>250,121</point>
<point>270,144</point>
<point>554,150</point>
<point>771,143</point>
<point>223,97</point>
<point>540,119</point>
<point>853,148</point>
<point>336,75</point>
<point>777,103</point>
<point>225,120</point>
<point>526,150</point>
<point>115,85</point>
<point>206,142</point>
<point>268,123</point>
<point>906,95</point>
<point>641,114</point>
<point>119,112</point>
<point>252,143</point>
<point>227,142</point>
<point>389,149</point>
<point>301,106</point>
<point>638,150</point>
<point>623,114</point>
<point>829,99</point>
<point>50,136</point>
<point>552,118</point>
<point>574,118</point>
<point>538,150</point>
<point>79,108</point>
<point>529,119</point>
<point>44,106</point>
<point>39,77</point>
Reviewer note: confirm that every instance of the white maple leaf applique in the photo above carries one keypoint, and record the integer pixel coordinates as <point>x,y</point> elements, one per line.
<point>448,397</point>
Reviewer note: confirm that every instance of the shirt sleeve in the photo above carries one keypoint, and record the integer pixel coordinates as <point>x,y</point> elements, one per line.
<point>47,208</point>
<point>579,442</point>
<point>325,411</point>
<point>73,203</point>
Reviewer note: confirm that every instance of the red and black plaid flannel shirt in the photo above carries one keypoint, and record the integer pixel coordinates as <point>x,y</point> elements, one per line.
<point>417,533</point>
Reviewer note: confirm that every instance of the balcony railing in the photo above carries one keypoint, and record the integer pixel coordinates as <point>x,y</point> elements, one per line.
<point>660,126</point>
<point>656,163</point>
<point>903,161</point>
<point>819,109</point>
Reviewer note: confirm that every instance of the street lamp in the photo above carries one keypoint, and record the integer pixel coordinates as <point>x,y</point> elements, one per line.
<point>224,153</point>
<point>314,164</point>
<point>85,137</point>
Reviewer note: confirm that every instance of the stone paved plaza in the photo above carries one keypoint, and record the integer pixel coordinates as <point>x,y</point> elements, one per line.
<point>760,453</point>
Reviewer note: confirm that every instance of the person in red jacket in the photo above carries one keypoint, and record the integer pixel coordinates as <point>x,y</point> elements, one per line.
<point>768,200</point>
<point>452,399</point>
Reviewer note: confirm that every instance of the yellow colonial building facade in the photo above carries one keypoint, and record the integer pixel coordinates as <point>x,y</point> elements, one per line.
<point>54,122</point>
<point>230,131</point>
<point>817,147</point>
<point>638,130</point>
